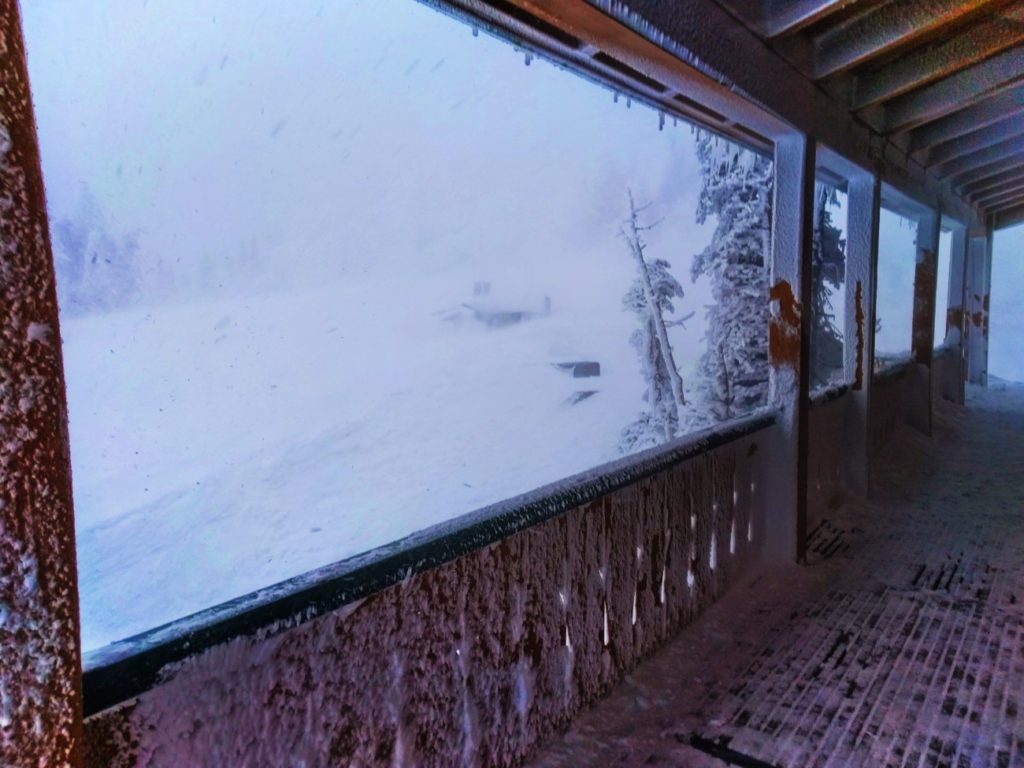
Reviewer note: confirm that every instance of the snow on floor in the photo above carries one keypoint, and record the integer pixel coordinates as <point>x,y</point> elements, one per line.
<point>905,650</point>
<point>224,446</point>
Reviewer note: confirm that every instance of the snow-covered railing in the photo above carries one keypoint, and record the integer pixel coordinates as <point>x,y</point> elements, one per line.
<point>122,670</point>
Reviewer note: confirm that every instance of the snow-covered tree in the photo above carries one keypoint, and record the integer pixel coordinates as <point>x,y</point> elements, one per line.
<point>96,270</point>
<point>736,191</point>
<point>650,298</point>
<point>828,267</point>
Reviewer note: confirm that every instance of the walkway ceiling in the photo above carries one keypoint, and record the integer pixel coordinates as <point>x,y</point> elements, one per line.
<point>941,79</point>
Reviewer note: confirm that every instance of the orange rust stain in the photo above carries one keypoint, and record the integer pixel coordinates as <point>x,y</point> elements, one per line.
<point>976,319</point>
<point>858,297</point>
<point>955,317</point>
<point>784,327</point>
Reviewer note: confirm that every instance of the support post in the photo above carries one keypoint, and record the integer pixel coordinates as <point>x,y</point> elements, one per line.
<point>955,312</point>
<point>40,660</point>
<point>865,197</point>
<point>919,411</point>
<point>789,343</point>
<point>977,306</point>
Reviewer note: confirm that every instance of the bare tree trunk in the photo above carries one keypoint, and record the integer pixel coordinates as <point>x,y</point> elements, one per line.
<point>636,245</point>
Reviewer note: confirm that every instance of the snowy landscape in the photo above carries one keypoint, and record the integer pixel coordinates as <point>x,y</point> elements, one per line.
<point>297,327</point>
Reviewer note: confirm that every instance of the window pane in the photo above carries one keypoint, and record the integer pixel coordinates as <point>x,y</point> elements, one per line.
<point>333,273</point>
<point>828,279</point>
<point>1006,343</point>
<point>942,286</point>
<point>894,313</point>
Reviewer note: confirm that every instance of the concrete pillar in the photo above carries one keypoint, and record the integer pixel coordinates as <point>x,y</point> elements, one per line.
<point>40,661</point>
<point>955,314</point>
<point>789,343</point>
<point>977,307</point>
<point>865,195</point>
<point>919,407</point>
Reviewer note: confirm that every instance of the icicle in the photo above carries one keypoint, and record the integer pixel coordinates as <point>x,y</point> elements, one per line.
<point>662,591</point>
<point>732,538</point>
<point>629,102</point>
<point>714,551</point>
<point>527,58</point>
<point>750,530</point>
<point>689,578</point>
<point>634,607</point>
<point>476,31</point>
<point>661,121</point>
<point>606,623</point>
<point>615,97</point>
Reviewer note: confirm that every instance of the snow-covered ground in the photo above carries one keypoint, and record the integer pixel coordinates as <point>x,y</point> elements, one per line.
<point>222,446</point>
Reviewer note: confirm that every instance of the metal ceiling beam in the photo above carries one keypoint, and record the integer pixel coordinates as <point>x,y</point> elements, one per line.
<point>788,17</point>
<point>935,62</point>
<point>969,119</point>
<point>1011,173</point>
<point>961,180</point>
<point>885,30</point>
<point>995,189</point>
<point>983,157</point>
<point>995,201</point>
<point>953,93</point>
<point>971,142</point>
<point>1008,218</point>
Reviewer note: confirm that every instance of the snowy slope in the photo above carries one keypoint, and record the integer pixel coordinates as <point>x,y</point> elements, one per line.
<point>224,446</point>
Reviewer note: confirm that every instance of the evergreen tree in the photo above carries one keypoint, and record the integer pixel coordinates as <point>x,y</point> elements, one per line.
<point>650,298</point>
<point>828,267</point>
<point>736,190</point>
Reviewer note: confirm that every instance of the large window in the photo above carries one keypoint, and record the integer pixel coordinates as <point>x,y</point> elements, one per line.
<point>894,308</point>
<point>942,285</point>
<point>1006,346</point>
<point>331,273</point>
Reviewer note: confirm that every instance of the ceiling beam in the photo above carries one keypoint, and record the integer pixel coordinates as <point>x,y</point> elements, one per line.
<point>788,17</point>
<point>951,94</point>
<point>1009,217</point>
<point>984,137</point>
<point>1002,198</point>
<point>1010,173</point>
<point>994,189</point>
<point>1006,204</point>
<point>885,30</point>
<point>1009,148</point>
<point>943,59</point>
<point>969,119</point>
<point>961,180</point>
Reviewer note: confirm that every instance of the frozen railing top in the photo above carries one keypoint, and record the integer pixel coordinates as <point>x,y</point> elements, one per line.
<point>124,669</point>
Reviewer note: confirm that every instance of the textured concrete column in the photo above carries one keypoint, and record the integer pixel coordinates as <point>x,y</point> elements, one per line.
<point>977,308</point>
<point>789,344</point>
<point>955,313</point>
<point>865,195</point>
<point>919,408</point>
<point>40,664</point>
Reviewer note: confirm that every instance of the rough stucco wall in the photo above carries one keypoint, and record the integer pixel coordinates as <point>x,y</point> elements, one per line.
<point>888,405</point>
<point>40,702</point>
<point>473,662</point>
<point>826,486</point>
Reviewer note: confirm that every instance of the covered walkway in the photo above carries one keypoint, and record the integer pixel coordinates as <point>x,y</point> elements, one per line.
<point>901,645</point>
